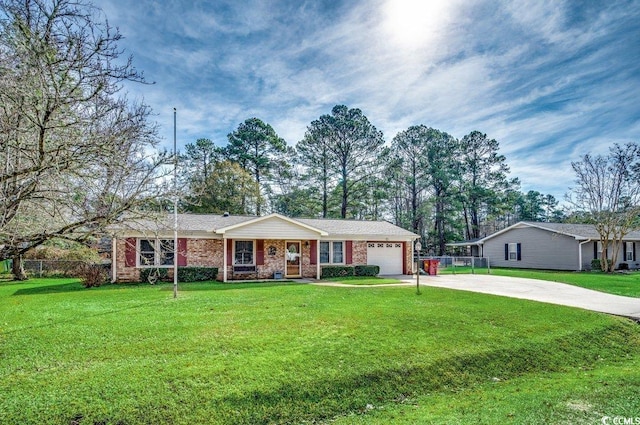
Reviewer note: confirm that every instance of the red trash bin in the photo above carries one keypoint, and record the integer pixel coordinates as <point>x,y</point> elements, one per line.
<point>433,267</point>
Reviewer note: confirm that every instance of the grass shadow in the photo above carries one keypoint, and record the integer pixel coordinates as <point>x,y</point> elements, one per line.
<point>76,286</point>
<point>351,394</point>
<point>220,286</point>
<point>50,289</point>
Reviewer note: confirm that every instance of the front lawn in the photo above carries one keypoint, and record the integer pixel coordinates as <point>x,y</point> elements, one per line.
<point>363,280</point>
<point>627,283</point>
<point>296,353</point>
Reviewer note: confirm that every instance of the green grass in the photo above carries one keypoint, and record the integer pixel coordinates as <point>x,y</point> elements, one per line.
<point>272,353</point>
<point>363,280</point>
<point>627,284</point>
<point>583,396</point>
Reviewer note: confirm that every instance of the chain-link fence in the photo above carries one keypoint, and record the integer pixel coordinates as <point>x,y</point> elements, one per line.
<point>53,268</point>
<point>453,265</point>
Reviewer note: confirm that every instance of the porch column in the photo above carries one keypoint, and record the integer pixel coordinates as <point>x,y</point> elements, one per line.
<point>318,268</point>
<point>224,259</point>
<point>114,262</point>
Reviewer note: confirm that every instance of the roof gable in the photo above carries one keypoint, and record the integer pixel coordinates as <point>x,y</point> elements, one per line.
<point>579,232</point>
<point>272,226</point>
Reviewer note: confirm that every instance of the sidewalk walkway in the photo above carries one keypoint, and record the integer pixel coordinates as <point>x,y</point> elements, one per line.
<point>536,290</point>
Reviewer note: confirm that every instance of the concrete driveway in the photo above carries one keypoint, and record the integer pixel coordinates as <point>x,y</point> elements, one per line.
<point>537,290</point>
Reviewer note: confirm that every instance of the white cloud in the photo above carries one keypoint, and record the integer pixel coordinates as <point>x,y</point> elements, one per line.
<point>547,85</point>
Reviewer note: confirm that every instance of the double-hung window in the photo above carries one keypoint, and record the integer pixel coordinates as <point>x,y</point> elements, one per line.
<point>337,256</point>
<point>332,252</point>
<point>628,251</point>
<point>513,252</point>
<point>156,252</point>
<point>243,253</point>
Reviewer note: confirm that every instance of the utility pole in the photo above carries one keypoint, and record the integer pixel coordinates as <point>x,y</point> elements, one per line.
<point>175,209</point>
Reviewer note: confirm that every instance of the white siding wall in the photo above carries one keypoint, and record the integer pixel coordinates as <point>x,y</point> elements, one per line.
<point>272,228</point>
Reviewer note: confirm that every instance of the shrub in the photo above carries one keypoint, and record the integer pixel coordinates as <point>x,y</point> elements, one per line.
<point>623,266</point>
<point>366,270</point>
<point>337,271</point>
<point>185,274</point>
<point>92,275</point>
<point>154,275</point>
<point>197,274</point>
<point>595,264</point>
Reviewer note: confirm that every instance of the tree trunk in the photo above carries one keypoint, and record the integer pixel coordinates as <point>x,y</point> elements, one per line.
<point>17,269</point>
<point>325,190</point>
<point>469,235</point>
<point>475,221</point>
<point>345,195</point>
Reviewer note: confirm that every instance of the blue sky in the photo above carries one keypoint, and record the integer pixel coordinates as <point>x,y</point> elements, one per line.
<point>550,80</point>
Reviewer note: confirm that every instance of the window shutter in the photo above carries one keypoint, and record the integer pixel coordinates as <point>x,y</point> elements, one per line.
<point>130,252</point>
<point>229,252</point>
<point>404,261</point>
<point>506,252</point>
<point>313,252</point>
<point>595,250</point>
<point>519,251</point>
<point>260,252</point>
<point>349,252</point>
<point>182,252</point>
<point>634,251</point>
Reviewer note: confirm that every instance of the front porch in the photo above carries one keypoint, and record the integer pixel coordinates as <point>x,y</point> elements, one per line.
<point>270,259</point>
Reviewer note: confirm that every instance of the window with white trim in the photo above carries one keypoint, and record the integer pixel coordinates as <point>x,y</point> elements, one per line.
<point>629,251</point>
<point>599,250</point>
<point>156,252</point>
<point>243,253</point>
<point>332,252</point>
<point>513,252</point>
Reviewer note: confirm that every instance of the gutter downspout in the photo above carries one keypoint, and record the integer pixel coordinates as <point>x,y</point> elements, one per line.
<point>580,253</point>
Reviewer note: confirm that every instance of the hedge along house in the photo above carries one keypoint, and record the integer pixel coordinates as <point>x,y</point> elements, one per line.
<point>249,247</point>
<point>552,246</point>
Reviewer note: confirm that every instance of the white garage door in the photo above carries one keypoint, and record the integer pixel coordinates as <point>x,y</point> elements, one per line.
<point>387,255</point>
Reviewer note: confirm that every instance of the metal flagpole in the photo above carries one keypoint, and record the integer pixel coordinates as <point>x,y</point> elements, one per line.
<point>175,210</point>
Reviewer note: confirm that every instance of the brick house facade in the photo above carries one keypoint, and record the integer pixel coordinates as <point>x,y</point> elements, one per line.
<point>260,247</point>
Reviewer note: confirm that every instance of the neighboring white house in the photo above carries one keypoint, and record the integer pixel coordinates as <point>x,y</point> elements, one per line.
<point>243,247</point>
<point>553,246</point>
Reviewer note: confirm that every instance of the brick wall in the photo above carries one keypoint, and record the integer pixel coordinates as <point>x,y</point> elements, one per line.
<point>359,253</point>
<point>205,253</point>
<point>124,274</point>
<point>200,253</point>
<point>408,258</point>
<point>273,259</point>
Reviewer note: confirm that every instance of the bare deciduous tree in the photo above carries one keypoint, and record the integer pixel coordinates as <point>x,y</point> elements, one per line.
<point>607,191</point>
<point>74,153</point>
